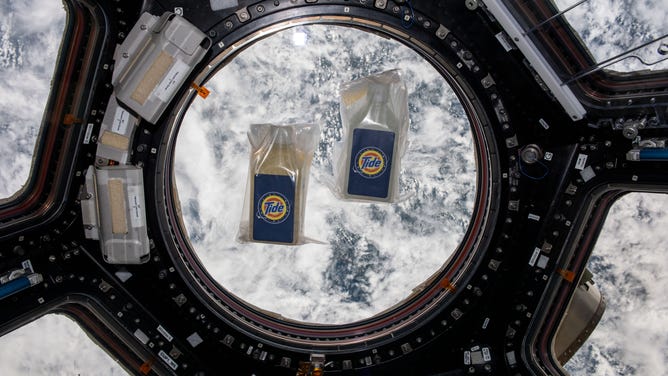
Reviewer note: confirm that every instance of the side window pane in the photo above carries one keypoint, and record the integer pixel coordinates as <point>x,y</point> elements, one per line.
<point>54,345</point>
<point>630,268</point>
<point>30,36</point>
<point>609,28</point>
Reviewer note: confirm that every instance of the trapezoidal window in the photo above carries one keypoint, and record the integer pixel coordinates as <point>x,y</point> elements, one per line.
<point>31,33</point>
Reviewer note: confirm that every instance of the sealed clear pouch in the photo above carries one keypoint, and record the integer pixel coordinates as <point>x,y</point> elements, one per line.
<point>280,161</point>
<point>374,115</point>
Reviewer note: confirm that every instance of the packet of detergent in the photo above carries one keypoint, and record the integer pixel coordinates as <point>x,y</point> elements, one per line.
<point>280,161</point>
<point>374,115</point>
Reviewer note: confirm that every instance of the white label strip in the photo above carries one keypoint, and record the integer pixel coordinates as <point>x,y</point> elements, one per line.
<point>135,206</point>
<point>121,120</point>
<point>534,217</point>
<point>172,80</point>
<point>534,256</point>
<point>581,162</point>
<point>170,362</point>
<point>486,356</point>
<point>467,357</point>
<point>89,132</point>
<point>543,123</point>
<point>165,333</point>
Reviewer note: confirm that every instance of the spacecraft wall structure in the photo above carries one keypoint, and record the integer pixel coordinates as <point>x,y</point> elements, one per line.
<point>544,184</point>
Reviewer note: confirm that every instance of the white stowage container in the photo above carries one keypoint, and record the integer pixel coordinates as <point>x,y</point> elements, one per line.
<point>120,215</point>
<point>154,61</point>
<point>115,139</point>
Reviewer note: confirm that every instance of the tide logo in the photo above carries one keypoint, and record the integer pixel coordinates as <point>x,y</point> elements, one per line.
<point>273,208</point>
<point>370,162</point>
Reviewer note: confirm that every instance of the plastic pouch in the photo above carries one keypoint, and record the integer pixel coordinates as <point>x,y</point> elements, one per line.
<point>374,114</point>
<point>275,200</point>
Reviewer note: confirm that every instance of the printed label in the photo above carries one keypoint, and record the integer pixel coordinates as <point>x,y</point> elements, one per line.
<point>172,80</point>
<point>165,333</point>
<point>534,217</point>
<point>88,134</point>
<point>534,256</point>
<point>486,356</point>
<point>581,162</point>
<point>135,206</point>
<point>273,207</point>
<point>121,119</point>
<point>370,163</point>
<point>544,124</point>
<point>167,359</point>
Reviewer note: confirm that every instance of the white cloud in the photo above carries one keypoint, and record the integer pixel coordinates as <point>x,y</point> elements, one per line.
<point>610,27</point>
<point>631,270</point>
<point>30,34</point>
<point>54,345</point>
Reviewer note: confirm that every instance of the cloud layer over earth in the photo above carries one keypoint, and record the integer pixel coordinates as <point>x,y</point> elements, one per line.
<point>629,261</point>
<point>30,33</point>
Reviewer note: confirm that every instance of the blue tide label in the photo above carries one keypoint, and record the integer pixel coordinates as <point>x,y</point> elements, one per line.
<point>370,163</point>
<point>273,205</point>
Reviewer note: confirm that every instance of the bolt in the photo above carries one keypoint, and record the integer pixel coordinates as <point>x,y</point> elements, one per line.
<point>531,154</point>
<point>630,131</point>
<point>471,4</point>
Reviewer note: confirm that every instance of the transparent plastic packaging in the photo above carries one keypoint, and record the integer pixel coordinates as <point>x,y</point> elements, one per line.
<point>374,115</point>
<point>154,61</point>
<point>280,161</point>
<point>114,211</point>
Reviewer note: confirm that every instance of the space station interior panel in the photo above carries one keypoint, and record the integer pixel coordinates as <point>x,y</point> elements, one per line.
<point>154,61</point>
<point>115,138</point>
<point>374,115</point>
<point>582,316</point>
<point>114,211</point>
